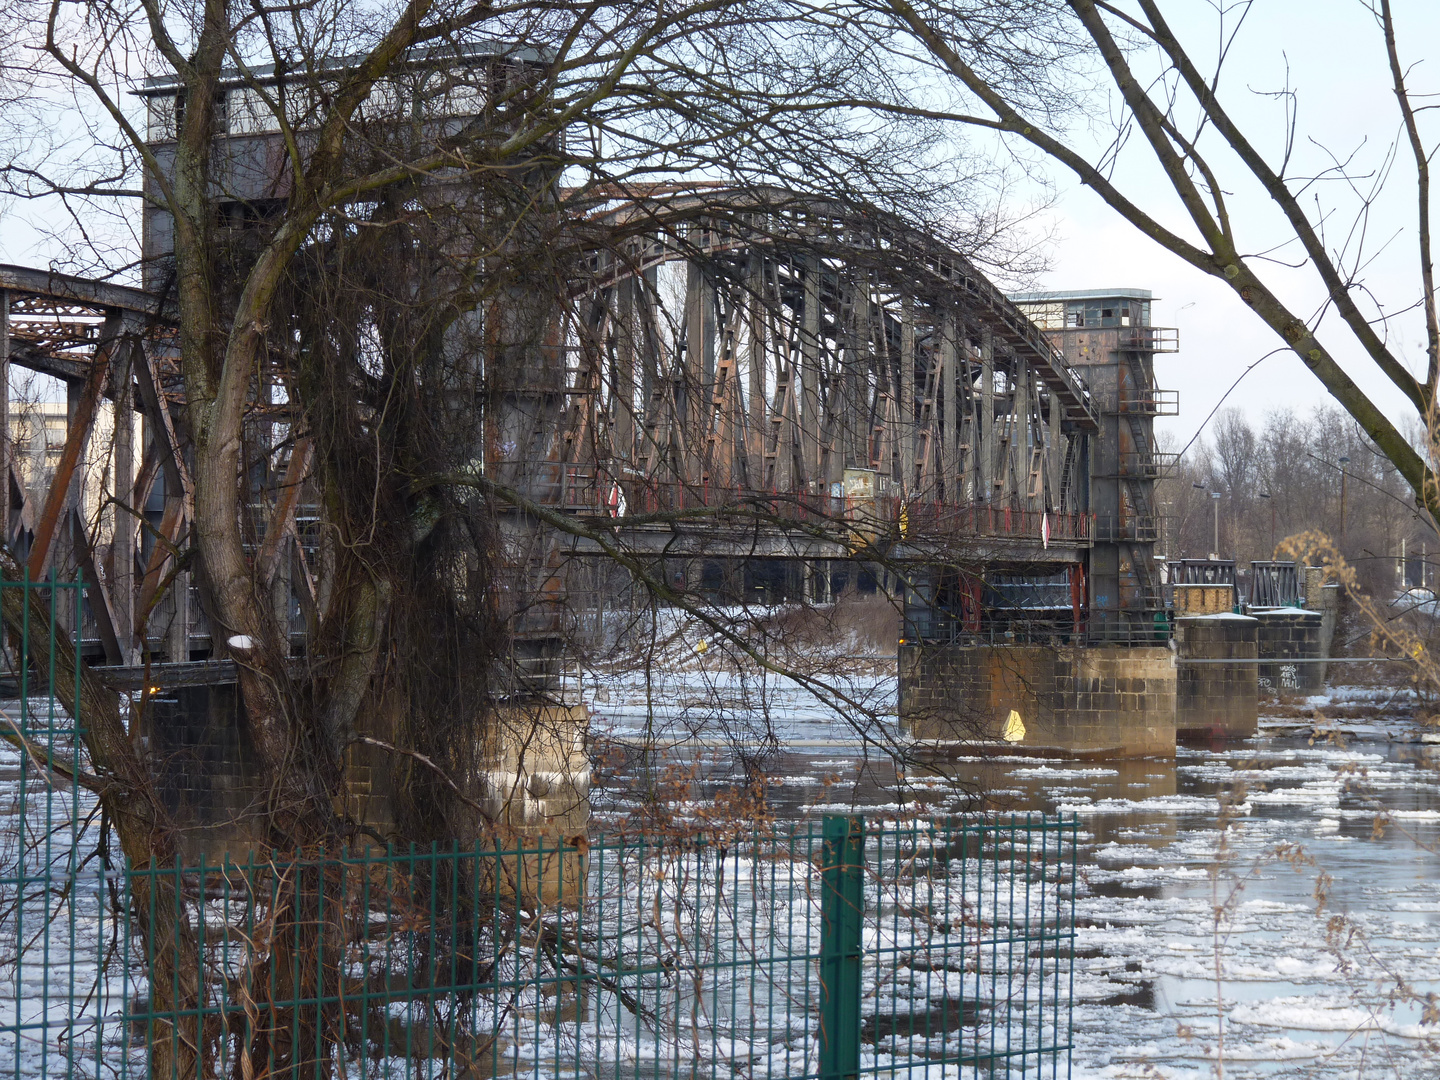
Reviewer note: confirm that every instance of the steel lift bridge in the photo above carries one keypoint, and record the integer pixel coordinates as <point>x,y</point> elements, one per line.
<point>808,377</point>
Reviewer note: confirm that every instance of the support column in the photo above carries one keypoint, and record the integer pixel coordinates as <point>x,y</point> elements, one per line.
<point>1055,461</point>
<point>950,458</point>
<point>1020,452</point>
<point>970,484</point>
<point>650,341</point>
<point>985,462</point>
<point>907,394</point>
<point>691,417</point>
<point>810,374</point>
<point>63,544</point>
<point>755,325</point>
<point>1216,701</point>
<point>122,542</point>
<point>626,328</point>
<point>5,406</point>
<point>280,592</point>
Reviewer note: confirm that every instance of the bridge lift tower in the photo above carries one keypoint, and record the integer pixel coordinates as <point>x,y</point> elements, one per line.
<point>1107,334</point>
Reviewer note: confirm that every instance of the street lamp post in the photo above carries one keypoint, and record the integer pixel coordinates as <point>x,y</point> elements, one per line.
<point>1343,462</point>
<point>1215,501</point>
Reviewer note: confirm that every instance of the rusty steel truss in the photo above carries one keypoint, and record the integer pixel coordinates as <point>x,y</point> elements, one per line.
<point>737,346</point>
<point>811,361</point>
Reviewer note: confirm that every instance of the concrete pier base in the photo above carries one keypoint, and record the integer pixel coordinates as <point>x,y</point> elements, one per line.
<point>205,769</point>
<point>534,787</point>
<point>1288,634</point>
<point>536,794</point>
<point>537,781</point>
<point>1216,701</point>
<point>1106,701</point>
<point>1322,596</point>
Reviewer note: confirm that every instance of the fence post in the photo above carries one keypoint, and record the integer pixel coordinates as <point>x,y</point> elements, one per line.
<point>842,910</point>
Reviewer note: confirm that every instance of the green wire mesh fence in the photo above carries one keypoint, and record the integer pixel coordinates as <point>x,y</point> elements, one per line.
<point>842,949</point>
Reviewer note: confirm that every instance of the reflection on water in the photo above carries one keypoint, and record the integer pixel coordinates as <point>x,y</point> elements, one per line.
<point>1279,942</point>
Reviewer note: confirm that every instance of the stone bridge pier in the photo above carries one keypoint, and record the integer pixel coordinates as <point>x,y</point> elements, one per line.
<point>1060,700</point>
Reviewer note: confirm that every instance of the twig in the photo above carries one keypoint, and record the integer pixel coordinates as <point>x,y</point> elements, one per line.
<point>428,763</point>
<point>35,752</point>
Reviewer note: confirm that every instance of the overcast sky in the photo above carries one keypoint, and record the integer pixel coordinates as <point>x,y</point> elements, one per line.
<point>1333,55</point>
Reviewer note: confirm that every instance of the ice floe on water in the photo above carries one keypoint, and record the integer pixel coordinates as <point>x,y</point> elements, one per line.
<point>1164,804</point>
<point>1272,951</point>
<point>1183,938</point>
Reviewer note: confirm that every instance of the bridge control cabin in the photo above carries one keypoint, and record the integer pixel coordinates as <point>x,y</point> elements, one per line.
<point>448,92</point>
<point>1108,335</point>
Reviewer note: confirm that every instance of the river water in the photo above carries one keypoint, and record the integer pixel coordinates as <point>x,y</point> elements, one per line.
<point>1262,908</point>
<point>1267,908</point>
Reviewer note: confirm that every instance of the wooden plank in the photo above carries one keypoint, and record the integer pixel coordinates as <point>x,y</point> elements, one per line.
<point>100,605</point>
<point>282,520</point>
<point>77,438</point>
<point>170,525</point>
<point>152,403</point>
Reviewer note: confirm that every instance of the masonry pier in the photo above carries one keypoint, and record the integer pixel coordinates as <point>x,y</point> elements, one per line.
<point>1044,699</point>
<point>1216,700</point>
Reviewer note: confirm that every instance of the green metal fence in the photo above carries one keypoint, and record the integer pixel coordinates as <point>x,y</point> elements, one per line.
<point>840,949</point>
<point>48,831</point>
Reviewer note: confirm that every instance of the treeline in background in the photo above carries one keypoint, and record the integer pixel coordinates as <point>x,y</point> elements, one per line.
<point>1295,472</point>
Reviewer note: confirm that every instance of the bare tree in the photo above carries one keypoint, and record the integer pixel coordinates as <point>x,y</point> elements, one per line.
<point>417,249</point>
<point>1286,479</point>
<point>1192,122</point>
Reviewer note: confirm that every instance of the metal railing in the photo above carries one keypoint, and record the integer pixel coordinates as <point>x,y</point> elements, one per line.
<point>993,521</point>
<point>1149,402</point>
<point>586,488</point>
<point>1141,528</point>
<point>1150,339</point>
<point>810,954</point>
<point>1154,465</point>
<point>1275,584</point>
<point>1141,627</point>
